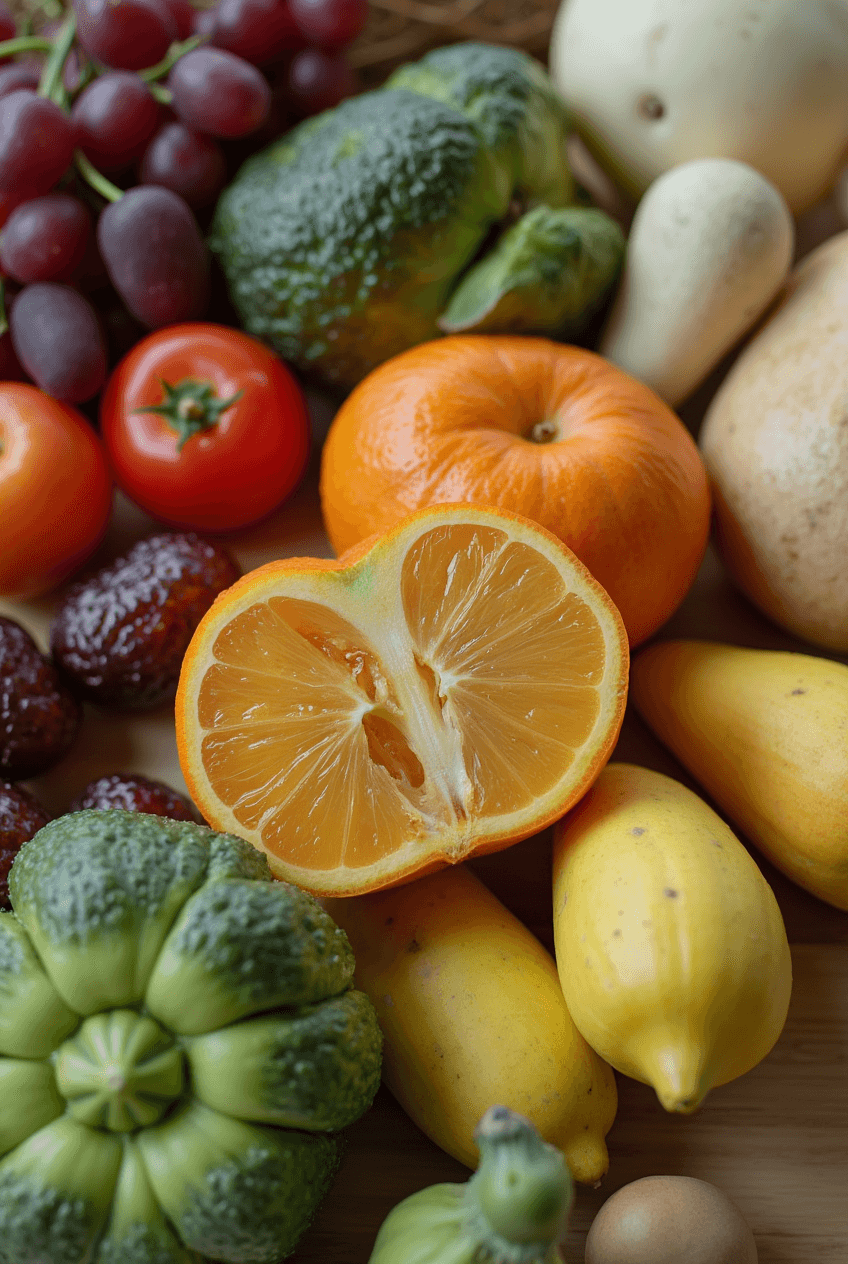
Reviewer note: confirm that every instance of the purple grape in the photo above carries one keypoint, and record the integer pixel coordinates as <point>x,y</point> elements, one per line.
<point>19,74</point>
<point>45,239</point>
<point>260,31</point>
<point>187,162</point>
<point>125,34</point>
<point>183,14</point>
<point>58,340</point>
<point>155,255</point>
<point>330,23</point>
<point>115,118</point>
<point>217,92</point>
<point>318,81</point>
<point>36,143</point>
<point>204,21</point>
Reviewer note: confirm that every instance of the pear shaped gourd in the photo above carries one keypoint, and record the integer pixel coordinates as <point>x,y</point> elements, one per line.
<point>670,946</point>
<point>653,83</point>
<point>766,734</point>
<point>710,245</point>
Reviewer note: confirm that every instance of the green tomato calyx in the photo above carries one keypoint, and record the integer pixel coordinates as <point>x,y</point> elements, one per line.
<point>120,1071</point>
<point>190,407</point>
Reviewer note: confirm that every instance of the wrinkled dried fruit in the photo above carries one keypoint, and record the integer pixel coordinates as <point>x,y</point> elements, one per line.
<point>21,817</point>
<point>39,716</point>
<point>120,636</point>
<point>134,793</point>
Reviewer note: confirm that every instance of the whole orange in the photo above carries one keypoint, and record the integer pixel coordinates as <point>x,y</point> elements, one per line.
<point>549,431</point>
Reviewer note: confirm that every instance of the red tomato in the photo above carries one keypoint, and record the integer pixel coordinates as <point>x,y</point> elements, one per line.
<point>202,461</point>
<point>55,490</point>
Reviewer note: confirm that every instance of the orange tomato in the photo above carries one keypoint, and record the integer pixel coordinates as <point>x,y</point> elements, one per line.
<point>55,490</point>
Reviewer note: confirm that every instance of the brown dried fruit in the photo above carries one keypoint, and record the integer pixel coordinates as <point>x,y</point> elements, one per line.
<point>135,793</point>
<point>120,636</point>
<point>39,716</point>
<point>21,817</point>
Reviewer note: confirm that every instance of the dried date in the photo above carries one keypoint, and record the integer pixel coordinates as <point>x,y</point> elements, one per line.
<point>21,817</point>
<point>39,716</point>
<point>119,637</point>
<point>135,793</point>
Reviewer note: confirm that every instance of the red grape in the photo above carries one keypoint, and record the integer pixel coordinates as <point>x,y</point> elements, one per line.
<point>260,31</point>
<point>126,34</point>
<point>36,143</point>
<point>330,23</point>
<point>8,30</point>
<point>190,163</point>
<point>216,92</point>
<point>19,74</point>
<point>155,255</point>
<point>115,117</point>
<point>318,81</point>
<point>183,14</point>
<point>58,340</point>
<point>204,21</point>
<point>10,368</point>
<point>45,239</point>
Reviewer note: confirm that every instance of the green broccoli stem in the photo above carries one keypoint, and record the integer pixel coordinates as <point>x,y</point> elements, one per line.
<point>519,1198</point>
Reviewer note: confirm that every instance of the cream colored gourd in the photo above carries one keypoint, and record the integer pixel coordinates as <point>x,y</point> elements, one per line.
<point>653,83</point>
<point>766,734</point>
<point>670,946</point>
<point>775,442</point>
<point>472,1014</point>
<point>710,245</point>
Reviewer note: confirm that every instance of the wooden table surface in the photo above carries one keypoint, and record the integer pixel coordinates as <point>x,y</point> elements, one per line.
<point>775,1140</point>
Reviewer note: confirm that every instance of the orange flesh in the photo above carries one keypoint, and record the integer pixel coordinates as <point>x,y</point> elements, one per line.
<point>339,753</point>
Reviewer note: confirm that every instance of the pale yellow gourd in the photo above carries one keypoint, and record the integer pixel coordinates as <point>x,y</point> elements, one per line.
<point>766,734</point>
<point>473,1015</point>
<point>670,945</point>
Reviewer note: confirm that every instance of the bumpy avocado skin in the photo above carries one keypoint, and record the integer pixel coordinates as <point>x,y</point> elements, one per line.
<point>512,103</point>
<point>340,242</point>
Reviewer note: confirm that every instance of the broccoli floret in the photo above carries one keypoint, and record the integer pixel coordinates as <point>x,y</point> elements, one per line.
<point>549,273</point>
<point>99,890</point>
<point>235,1191</point>
<point>241,947</point>
<point>340,243</point>
<point>513,104</point>
<point>316,1067</point>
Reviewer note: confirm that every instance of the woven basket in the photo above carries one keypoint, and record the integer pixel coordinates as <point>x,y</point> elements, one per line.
<point>402,30</point>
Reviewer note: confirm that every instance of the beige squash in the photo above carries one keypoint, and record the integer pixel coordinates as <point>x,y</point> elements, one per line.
<point>775,443</point>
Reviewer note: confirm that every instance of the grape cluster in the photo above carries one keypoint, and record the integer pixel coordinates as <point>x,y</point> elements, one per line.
<point>119,126</point>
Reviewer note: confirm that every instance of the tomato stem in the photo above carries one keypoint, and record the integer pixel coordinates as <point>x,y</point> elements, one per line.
<point>190,407</point>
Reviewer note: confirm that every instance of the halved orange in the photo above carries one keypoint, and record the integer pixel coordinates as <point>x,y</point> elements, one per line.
<point>445,690</point>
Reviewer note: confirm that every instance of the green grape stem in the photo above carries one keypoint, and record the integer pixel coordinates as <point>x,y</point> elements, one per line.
<point>173,55</point>
<point>95,179</point>
<point>51,85</point>
<point>25,44</point>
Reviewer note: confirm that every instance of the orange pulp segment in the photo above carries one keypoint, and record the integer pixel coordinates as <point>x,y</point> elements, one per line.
<point>452,687</point>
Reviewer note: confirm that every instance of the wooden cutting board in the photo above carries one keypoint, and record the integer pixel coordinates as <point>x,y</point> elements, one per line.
<point>776,1140</point>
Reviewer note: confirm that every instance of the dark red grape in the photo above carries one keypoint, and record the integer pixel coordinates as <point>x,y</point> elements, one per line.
<point>260,31</point>
<point>58,340</point>
<point>183,14</point>
<point>330,23</point>
<point>8,30</point>
<point>125,34</point>
<point>217,92</point>
<point>36,143</point>
<point>318,81</point>
<point>204,21</point>
<point>19,74</point>
<point>8,202</point>
<point>155,255</point>
<point>45,239</point>
<point>10,368</point>
<point>115,118</point>
<point>190,163</point>
<point>131,792</point>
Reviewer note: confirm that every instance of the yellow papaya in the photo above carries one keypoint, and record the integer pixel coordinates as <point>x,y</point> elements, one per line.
<point>473,1015</point>
<point>766,734</point>
<point>670,945</point>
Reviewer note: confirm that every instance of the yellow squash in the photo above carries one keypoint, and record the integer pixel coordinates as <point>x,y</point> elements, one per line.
<point>473,1016</point>
<point>670,945</point>
<point>766,734</point>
